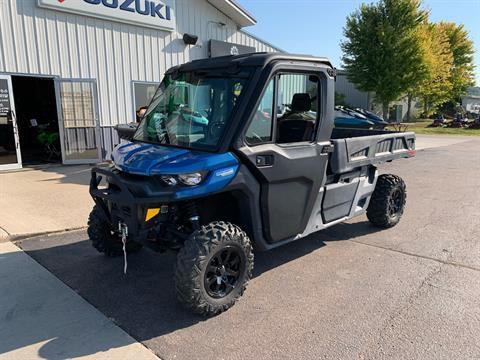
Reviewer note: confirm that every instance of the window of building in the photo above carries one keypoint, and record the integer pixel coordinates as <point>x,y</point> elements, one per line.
<point>77,104</point>
<point>296,114</point>
<point>143,93</point>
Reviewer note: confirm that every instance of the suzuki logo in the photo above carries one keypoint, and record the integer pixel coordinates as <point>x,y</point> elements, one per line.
<point>151,13</point>
<point>142,7</point>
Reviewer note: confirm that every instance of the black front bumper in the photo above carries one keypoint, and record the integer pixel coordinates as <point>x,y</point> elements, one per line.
<point>120,204</point>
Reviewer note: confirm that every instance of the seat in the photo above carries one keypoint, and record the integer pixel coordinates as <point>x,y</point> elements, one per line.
<point>301,103</point>
<point>297,125</point>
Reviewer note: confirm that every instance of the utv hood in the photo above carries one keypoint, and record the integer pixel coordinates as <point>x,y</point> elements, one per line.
<point>149,159</point>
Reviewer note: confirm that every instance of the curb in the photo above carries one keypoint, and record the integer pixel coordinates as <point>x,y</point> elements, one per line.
<point>20,237</point>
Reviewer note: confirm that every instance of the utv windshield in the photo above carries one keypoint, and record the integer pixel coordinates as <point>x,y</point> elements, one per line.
<point>192,109</point>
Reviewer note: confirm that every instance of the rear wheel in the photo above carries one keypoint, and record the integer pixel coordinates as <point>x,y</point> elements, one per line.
<point>388,201</point>
<point>104,239</point>
<point>213,268</point>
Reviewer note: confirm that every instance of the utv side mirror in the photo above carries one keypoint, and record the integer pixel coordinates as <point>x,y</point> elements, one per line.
<point>126,131</point>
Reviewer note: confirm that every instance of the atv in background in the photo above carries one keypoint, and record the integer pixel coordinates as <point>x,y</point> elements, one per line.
<point>460,121</point>
<point>255,177</point>
<point>476,123</point>
<point>439,121</point>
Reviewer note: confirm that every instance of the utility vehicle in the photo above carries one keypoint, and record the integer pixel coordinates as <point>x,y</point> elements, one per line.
<point>262,168</point>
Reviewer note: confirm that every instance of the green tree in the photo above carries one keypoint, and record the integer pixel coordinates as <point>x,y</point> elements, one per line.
<point>461,46</point>
<point>382,52</point>
<point>437,87</point>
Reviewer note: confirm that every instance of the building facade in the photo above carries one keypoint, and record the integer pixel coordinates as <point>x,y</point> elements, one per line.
<point>76,68</point>
<point>471,100</point>
<point>351,95</point>
<point>356,98</point>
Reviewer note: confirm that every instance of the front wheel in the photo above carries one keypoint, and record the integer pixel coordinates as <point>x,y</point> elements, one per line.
<point>213,268</point>
<point>388,201</point>
<point>104,239</point>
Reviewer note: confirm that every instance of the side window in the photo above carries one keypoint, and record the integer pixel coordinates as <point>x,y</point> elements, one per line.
<point>297,107</point>
<point>260,129</point>
<point>143,93</point>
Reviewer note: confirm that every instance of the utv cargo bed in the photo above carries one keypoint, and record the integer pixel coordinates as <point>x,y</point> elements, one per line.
<point>356,148</point>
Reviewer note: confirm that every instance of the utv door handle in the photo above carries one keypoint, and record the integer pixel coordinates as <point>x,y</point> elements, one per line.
<point>264,160</point>
<point>327,149</point>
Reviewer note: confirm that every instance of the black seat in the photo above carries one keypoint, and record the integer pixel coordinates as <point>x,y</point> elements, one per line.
<point>301,103</point>
<point>296,125</point>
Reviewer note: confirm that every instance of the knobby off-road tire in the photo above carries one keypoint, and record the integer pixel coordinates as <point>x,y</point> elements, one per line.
<point>388,201</point>
<point>103,239</point>
<point>213,268</point>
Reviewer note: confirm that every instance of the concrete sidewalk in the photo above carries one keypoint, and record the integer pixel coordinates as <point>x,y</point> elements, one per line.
<point>42,318</point>
<point>44,199</point>
<point>55,198</point>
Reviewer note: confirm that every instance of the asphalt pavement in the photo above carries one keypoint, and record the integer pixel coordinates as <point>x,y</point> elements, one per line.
<point>49,198</point>
<point>350,292</point>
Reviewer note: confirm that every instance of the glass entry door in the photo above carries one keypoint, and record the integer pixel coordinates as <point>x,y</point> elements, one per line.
<point>10,156</point>
<point>79,125</point>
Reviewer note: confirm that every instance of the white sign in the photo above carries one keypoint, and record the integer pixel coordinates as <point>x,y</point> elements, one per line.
<point>151,13</point>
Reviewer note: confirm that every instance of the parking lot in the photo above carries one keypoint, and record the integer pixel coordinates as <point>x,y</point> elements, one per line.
<point>349,292</point>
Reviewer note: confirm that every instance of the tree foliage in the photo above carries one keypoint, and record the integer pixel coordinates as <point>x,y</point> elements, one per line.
<point>383,49</point>
<point>461,46</point>
<point>436,88</point>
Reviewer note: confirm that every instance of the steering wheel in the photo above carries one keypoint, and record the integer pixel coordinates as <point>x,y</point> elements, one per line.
<point>215,129</point>
<point>261,116</point>
<point>256,136</point>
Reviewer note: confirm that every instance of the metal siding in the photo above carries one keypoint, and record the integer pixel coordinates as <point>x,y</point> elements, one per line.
<point>34,40</point>
<point>353,96</point>
<point>2,41</point>
<point>109,139</point>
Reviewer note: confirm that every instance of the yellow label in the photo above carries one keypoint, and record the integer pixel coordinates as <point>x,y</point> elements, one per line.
<point>151,213</point>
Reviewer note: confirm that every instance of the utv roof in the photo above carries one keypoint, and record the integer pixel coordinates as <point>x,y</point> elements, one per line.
<point>253,59</point>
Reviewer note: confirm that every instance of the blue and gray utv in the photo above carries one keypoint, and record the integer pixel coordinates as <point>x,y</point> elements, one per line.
<point>235,154</point>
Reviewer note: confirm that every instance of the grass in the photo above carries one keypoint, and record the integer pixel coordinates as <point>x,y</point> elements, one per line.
<point>420,127</point>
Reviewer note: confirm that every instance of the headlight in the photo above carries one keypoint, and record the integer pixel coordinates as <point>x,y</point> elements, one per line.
<point>169,180</point>
<point>186,179</point>
<point>191,179</point>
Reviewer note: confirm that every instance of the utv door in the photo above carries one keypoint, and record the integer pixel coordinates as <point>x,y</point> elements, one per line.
<point>285,152</point>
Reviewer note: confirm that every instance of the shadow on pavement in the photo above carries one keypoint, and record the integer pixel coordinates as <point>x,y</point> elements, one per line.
<point>349,230</point>
<point>65,174</point>
<point>32,321</point>
<point>143,301</point>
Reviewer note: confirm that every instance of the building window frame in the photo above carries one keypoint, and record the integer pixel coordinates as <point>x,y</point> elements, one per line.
<point>134,100</point>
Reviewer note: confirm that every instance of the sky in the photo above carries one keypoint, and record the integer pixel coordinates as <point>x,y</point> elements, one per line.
<point>315,27</point>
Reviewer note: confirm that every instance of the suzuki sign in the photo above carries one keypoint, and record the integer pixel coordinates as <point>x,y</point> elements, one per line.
<point>151,13</point>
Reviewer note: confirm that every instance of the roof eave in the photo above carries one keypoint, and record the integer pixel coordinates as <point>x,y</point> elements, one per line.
<point>235,12</point>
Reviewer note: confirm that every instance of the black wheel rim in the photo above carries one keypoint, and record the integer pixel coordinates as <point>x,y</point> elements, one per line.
<point>395,203</point>
<point>224,271</point>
